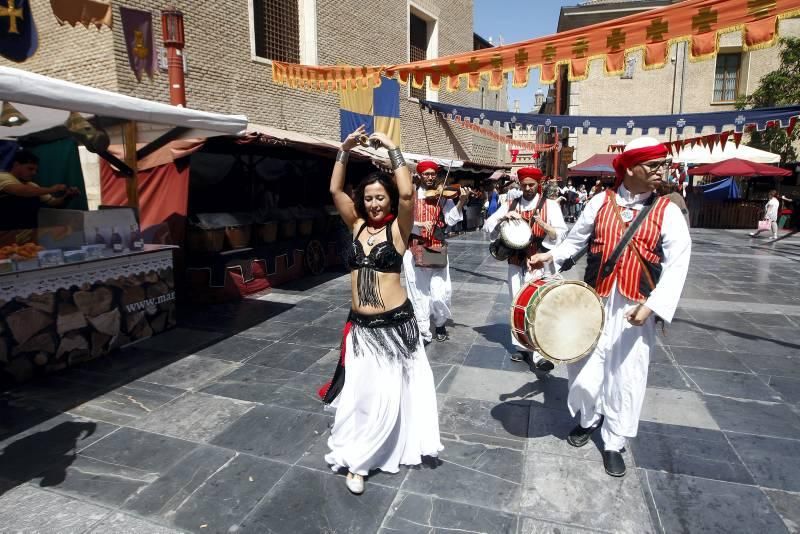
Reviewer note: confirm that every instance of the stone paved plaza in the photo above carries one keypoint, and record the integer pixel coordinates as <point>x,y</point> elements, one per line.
<point>216,426</point>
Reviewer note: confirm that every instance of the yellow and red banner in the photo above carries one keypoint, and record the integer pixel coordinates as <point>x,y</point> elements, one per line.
<point>698,22</point>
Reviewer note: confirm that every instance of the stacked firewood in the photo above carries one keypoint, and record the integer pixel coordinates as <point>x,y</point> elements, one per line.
<point>48,332</point>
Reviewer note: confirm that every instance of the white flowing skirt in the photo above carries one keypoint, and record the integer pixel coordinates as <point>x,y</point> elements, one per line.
<point>386,413</point>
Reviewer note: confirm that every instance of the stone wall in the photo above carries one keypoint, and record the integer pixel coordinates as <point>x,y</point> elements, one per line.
<point>224,77</point>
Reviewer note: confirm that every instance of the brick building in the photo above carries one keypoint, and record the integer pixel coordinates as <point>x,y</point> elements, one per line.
<point>681,86</point>
<point>229,46</point>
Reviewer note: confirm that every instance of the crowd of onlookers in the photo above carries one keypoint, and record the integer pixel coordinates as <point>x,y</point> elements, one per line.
<point>570,198</point>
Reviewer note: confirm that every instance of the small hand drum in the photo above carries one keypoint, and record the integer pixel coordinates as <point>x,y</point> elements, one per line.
<point>516,234</point>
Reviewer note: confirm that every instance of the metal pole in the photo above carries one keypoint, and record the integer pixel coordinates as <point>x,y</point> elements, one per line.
<point>557,137</point>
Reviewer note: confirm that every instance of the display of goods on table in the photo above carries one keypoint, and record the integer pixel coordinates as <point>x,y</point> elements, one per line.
<point>26,251</point>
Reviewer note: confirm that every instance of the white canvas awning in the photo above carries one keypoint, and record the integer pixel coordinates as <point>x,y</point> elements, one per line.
<point>700,155</point>
<point>46,103</point>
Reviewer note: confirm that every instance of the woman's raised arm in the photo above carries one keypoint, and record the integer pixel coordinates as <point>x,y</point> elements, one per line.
<point>342,201</point>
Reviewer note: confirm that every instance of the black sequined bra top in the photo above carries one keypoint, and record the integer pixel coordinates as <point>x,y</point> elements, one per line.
<point>383,257</point>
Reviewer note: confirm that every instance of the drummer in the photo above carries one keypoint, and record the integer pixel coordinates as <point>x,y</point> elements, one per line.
<point>608,387</point>
<point>548,229</point>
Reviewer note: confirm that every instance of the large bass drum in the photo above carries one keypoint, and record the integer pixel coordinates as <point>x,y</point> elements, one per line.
<point>560,319</point>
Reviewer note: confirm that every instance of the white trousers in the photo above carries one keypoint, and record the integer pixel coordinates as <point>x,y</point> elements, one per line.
<point>429,290</point>
<point>518,276</point>
<point>612,381</point>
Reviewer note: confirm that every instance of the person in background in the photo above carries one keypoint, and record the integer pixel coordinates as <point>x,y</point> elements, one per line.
<point>582,197</point>
<point>492,199</point>
<point>21,197</point>
<point>547,228</point>
<point>770,214</point>
<point>671,190</point>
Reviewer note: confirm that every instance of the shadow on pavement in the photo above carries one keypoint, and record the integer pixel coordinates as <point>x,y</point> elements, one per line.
<point>51,451</point>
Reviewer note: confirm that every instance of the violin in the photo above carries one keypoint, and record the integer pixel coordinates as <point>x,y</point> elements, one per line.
<point>450,192</point>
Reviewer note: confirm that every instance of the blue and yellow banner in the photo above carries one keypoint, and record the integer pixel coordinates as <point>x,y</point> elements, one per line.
<point>378,109</point>
<point>18,37</point>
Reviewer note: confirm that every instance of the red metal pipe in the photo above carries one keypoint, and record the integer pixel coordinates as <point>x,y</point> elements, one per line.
<point>172,32</point>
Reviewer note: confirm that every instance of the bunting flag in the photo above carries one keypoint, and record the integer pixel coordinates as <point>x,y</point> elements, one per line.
<point>376,108</point>
<point>502,137</point>
<point>718,121</point>
<point>18,36</point>
<point>137,27</point>
<point>697,22</point>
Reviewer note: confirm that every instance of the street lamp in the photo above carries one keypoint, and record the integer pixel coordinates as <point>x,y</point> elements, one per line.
<point>172,33</point>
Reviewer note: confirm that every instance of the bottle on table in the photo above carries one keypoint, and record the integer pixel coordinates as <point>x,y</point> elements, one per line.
<point>137,243</point>
<point>116,240</point>
<point>98,237</point>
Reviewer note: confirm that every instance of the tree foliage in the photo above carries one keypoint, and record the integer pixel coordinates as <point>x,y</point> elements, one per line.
<point>780,87</point>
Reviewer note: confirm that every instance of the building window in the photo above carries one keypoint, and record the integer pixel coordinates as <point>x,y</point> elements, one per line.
<point>276,30</point>
<point>418,47</point>
<point>726,78</point>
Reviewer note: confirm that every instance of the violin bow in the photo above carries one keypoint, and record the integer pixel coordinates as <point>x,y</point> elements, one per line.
<point>444,184</point>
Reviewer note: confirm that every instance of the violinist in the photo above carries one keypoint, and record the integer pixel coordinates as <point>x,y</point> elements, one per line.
<point>428,283</point>
<point>548,229</point>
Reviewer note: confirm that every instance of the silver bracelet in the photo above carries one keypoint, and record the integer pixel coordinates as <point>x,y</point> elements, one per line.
<point>396,157</point>
<point>342,156</point>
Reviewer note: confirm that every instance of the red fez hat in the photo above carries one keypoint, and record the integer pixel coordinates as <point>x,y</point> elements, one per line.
<point>529,174</point>
<point>426,165</point>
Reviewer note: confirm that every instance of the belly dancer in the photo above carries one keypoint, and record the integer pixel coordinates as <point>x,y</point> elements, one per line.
<point>386,412</point>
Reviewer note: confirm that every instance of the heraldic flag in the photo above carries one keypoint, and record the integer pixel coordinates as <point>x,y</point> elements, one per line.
<point>18,37</point>
<point>378,109</point>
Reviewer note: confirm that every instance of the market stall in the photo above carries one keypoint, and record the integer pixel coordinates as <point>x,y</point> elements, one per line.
<point>81,283</point>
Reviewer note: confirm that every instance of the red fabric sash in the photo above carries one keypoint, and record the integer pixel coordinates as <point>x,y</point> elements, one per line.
<point>325,387</point>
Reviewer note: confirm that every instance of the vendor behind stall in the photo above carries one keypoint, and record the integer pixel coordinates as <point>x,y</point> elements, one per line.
<point>21,197</point>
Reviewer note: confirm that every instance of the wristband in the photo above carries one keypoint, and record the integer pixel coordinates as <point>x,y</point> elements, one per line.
<point>342,157</point>
<point>396,157</point>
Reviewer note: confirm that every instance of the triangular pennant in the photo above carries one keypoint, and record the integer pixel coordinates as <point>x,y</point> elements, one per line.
<point>711,140</point>
<point>737,138</point>
<point>723,140</point>
<point>790,128</point>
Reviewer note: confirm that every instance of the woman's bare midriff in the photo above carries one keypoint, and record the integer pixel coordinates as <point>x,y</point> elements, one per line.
<point>393,294</point>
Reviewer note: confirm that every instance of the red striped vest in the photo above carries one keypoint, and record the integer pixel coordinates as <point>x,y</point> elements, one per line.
<point>608,229</point>
<point>537,231</point>
<point>424,211</point>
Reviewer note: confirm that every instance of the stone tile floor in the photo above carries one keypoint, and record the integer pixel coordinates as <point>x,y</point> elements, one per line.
<point>216,427</point>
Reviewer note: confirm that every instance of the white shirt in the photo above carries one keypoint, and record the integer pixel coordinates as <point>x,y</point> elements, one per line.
<point>675,241</point>
<point>554,219</point>
<point>452,215</point>
<point>772,209</point>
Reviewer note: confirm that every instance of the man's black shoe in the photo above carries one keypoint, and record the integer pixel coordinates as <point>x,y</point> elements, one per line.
<point>441,333</point>
<point>614,463</point>
<point>519,356</point>
<point>580,436</point>
<point>545,365</point>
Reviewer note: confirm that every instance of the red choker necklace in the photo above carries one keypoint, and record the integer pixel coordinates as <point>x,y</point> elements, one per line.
<point>383,222</point>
